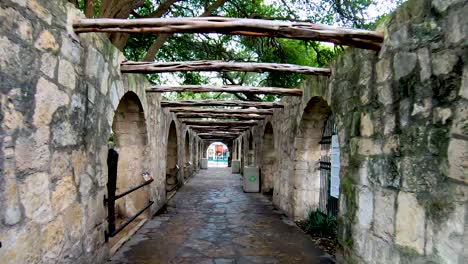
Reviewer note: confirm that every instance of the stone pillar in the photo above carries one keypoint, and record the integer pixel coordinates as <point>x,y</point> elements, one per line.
<point>235,166</point>
<point>204,164</point>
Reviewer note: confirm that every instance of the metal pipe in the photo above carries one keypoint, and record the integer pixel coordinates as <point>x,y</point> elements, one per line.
<point>117,196</point>
<point>130,220</point>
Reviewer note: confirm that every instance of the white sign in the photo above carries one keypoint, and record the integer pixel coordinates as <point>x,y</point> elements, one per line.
<point>335,167</point>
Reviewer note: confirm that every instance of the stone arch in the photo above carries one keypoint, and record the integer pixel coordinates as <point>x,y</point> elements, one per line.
<point>241,154</point>
<point>187,162</point>
<point>306,180</point>
<point>251,151</point>
<point>130,140</point>
<point>172,180</point>
<point>268,159</point>
<point>210,156</point>
<point>194,153</point>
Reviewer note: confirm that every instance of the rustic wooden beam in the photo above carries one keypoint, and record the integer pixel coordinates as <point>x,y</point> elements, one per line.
<point>219,66</point>
<point>225,89</point>
<point>201,127</point>
<point>217,138</point>
<point>225,129</point>
<point>222,116</point>
<point>214,139</point>
<point>223,110</point>
<point>235,26</point>
<point>220,123</point>
<point>219,134</point>
<point>220,103</point>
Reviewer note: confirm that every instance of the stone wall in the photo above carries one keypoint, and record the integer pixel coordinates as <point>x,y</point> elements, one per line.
<point>58,97</point>
<point>401,116</point>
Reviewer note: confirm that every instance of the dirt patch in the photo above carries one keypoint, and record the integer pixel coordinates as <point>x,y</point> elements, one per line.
<point>325,242</point>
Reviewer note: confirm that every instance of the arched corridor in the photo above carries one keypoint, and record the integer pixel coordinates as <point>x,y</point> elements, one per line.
<point>345,145</point>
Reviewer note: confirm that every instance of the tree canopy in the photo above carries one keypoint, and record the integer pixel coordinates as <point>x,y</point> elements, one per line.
<point>185,47</point>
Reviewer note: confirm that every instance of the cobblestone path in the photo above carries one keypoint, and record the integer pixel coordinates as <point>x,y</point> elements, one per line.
<point>211,220</point>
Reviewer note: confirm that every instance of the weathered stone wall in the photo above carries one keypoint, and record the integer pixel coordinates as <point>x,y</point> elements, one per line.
<point>58,97</point>
<point>401,116</point>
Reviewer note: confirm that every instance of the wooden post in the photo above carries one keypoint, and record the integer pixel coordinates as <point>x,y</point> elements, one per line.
<point>223,110</point>
<point>220,103</point>
<point>225,89</point>
<point>235,26</point>
<point>219,66</point>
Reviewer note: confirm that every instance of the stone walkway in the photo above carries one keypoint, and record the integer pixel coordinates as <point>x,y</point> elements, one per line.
<point>211,220</point>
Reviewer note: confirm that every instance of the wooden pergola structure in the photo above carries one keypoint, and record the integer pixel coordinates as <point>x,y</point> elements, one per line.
<point>246,113</point>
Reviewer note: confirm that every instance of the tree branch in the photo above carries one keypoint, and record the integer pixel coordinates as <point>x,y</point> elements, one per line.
<point>162,38</point>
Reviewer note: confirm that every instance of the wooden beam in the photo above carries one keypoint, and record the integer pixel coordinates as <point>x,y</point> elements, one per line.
<point>225,89</point>
<point>201,127</point>
<point>220,103</point>
<point>219,134</point>
<point>223,110</point>
<point>235,26</point>
<point>220,123</point>
<point>214,139</point>
<point>225,129</point>
<point>222,116</point>
<point>219,66</point>
<point>220,138</point>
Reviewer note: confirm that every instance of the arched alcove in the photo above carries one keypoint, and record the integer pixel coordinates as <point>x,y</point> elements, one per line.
<point>194,154</point>
<point>251,151</point>
<point>306,180</point>
<point>268,159</point>
<point>130,140</point>
<point>187,162</point>
<point>172,180</point>
<point>241,154</point>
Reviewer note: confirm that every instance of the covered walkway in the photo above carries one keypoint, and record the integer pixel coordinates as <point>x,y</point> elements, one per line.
<point>211,220</point>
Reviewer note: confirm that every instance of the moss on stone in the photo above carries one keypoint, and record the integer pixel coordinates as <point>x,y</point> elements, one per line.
<point>407,251</point>
<point>347,186</point>
<point>438,205</point>
<point>355,124</point>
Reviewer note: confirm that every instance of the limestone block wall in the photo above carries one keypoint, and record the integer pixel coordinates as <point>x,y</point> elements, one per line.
<point>401,116</point>
<point>58,98</point>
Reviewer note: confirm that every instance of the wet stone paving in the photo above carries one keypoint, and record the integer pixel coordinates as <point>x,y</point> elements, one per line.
<point>211,220</point>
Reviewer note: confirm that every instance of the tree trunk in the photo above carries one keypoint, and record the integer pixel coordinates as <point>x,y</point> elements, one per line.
<point>89,8</point>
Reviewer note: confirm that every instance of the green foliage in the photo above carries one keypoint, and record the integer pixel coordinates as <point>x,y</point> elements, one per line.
<point>187,47</point>
<point>111,142</point>
<point>320,223</point>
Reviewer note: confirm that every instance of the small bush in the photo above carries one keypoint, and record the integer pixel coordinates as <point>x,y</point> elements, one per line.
<point>318,222</point>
